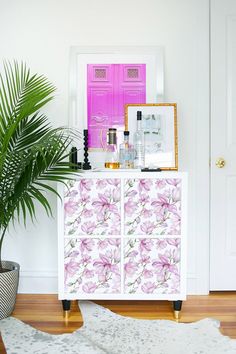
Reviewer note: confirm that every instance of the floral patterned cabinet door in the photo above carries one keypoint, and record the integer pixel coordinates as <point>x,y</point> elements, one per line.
<point>122,235</point>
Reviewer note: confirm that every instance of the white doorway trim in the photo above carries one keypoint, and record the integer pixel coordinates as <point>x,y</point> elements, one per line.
<point>201,203</point>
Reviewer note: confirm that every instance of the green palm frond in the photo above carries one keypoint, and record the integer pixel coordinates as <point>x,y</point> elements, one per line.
<point>31,151</point>
<point>21,95</point>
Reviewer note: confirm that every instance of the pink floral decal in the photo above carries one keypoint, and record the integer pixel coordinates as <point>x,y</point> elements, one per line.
<point>152,206</point>
<point>152,266</point>
<point>92,207</point>
<point>92,266</point>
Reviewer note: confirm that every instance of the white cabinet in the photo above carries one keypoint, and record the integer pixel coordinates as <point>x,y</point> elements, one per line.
<point>122,235</point>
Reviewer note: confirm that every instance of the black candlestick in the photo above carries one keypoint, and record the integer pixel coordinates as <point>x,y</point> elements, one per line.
<point>86,164</point>
<point>73,158</point>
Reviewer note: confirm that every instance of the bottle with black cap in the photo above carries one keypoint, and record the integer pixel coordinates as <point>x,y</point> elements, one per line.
<point>112,156</point>
<point>139,143</point>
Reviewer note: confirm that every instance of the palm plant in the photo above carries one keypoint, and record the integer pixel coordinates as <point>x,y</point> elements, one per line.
<point>31,151</point>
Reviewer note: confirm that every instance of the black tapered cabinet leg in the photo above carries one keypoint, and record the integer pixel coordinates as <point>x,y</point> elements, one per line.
<point>177,305</point>
<point>66,307</point>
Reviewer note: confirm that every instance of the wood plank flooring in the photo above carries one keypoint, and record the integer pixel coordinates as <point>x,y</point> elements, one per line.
<point>44,312</point>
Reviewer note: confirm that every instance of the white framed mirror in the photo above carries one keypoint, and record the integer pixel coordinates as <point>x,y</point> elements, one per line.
<point>93,105</point>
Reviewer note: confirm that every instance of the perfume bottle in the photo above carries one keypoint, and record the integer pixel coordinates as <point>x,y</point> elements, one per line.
<point>139,143</point>
<point>112,156</point>
<point>126,152</point>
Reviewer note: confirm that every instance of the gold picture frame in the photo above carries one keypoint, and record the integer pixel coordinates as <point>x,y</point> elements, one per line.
<point>159,123</point>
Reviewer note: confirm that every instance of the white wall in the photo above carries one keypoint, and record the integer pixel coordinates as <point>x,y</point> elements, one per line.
<point>41,33</point>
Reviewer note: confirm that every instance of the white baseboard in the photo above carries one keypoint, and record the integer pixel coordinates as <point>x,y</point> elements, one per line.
<point>38,282</point>
<point>192,285</point>
<point>45,282</point>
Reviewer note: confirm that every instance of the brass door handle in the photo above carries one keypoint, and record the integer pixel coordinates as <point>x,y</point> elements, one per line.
<point>220,162</point>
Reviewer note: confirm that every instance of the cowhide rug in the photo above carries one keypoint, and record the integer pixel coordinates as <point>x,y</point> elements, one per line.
<point>105,332</point>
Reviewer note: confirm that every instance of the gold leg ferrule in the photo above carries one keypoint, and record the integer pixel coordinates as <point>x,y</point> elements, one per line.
<point>177,315</point>
<point>66,315</point>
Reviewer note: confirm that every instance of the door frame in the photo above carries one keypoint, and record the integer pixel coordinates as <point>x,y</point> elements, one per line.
<point>198,281</point>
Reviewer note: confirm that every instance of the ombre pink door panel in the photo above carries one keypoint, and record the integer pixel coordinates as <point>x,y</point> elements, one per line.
<point>130,87</point>
<point>100,100</point>
<point>109,88</point>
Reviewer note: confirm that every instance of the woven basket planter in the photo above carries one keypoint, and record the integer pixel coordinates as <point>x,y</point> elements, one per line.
<point>8,288</point>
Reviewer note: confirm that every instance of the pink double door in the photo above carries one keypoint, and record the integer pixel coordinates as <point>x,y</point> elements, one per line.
<point>109,88</point>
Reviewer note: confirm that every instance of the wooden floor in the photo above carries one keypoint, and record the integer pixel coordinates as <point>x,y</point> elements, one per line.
<point>44,312</point>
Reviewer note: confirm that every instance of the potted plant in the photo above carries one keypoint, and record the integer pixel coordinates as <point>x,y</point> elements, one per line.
<point>32,153</point>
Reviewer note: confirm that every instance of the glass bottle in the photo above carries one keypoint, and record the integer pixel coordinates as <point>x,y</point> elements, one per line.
<point>126,152</point>
<point>112,156</point>
<point>139,143</point>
